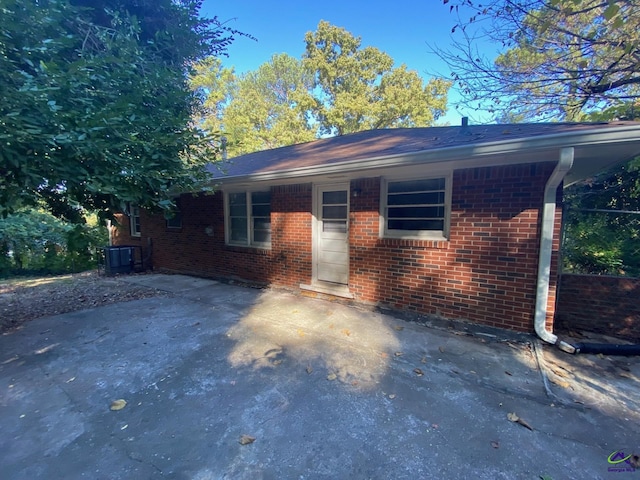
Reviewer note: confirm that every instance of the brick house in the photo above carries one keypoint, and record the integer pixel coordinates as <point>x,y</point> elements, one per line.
<point>462,222</point>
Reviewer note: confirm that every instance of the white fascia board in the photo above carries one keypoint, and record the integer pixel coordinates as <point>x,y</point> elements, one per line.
<point>472,155</point>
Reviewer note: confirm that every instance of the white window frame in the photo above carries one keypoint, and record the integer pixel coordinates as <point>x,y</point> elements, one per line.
<point>415,234</point>
<point>250,229</point>
<point>134,227</point>
<point>177,217</point>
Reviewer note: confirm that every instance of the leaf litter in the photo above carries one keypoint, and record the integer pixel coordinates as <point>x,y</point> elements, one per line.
<point>512,417</point>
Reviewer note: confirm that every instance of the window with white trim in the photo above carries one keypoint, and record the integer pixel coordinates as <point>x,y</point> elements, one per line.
<point>248,221</point>
<point>134,220</point>
<point>417,208</point>
<point>175,221</point>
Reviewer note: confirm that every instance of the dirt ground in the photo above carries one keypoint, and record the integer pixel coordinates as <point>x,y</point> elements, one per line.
<point>24,299</point>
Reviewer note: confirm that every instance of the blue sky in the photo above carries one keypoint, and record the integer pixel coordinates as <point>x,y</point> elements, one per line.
<point>401,29</point>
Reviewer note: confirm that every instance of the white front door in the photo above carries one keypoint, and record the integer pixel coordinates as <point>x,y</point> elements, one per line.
<point>331,235</point>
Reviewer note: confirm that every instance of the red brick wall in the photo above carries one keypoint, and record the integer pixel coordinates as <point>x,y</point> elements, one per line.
<point>600,304</point>
<point>485,273</point>
<point>199,247</point>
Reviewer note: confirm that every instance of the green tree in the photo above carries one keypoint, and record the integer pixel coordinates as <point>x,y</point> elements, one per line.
<point>215,86</point>
<point>270,105</point>
<point>602,234</point>
<point>358,88</point>
<point>561,59</point>
<point>263,109</point>
<point>602,214</point>
<point>95,108</point>
<point>34,241</point>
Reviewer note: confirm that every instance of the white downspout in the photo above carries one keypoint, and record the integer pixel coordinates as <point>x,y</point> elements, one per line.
<point>546,245</point>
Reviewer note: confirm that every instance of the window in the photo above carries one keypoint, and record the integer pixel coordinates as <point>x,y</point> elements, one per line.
<point>175,222</point>
<point>134,220</point>
<point>249,219</point>
<point>416,208</point>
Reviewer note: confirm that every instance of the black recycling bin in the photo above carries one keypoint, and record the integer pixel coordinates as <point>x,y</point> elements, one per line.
<point>118,260</point>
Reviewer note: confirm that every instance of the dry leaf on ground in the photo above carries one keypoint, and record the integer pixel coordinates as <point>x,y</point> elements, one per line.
<point>246,439</point>
<point>418,372</point>
<point>118,405</point>
<point>22,300</point>
<point>495,444</point>
<point>331,377</point>
<point>516,419</point>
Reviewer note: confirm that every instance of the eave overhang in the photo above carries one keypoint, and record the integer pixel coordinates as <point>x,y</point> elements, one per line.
<point>595,150</point>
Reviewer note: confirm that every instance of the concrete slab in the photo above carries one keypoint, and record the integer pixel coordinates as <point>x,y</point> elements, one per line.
<point>326,390</point>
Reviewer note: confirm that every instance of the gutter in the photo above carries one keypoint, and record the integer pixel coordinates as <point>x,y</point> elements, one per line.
<point>565,162</point>
<point>563,166</point>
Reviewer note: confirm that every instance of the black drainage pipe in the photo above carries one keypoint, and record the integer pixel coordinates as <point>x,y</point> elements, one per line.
<point>607,349</point>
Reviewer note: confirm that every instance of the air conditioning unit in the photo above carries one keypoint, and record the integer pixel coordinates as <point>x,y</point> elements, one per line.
<point>118,260</point>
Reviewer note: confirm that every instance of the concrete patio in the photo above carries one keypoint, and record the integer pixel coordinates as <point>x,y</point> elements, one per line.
<point>326,390</point>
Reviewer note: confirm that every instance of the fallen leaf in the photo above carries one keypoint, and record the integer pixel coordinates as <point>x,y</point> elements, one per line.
<point>418,372</point>
<point>309,369</point>
<point>495,444</point>
<point>346,332</point>
<point>398,328</point>
<point>331,377</point>
<point>516,419</point>
<point>384,354</point>
<point>246,439</point>
<point>398,354</point>
<point>392,396</point>
<point>508,373</point>
<point>441,349</point>
<point>118,405</point>
<point>423,360</point>
<point>277,362</point>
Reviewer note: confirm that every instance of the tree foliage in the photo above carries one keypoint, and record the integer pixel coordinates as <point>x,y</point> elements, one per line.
<point>602,232</point>
<point>602,223</point>
<point>262,109</point>
<point>561,59</point>
<point>337,87</point>
<point>96,110</point>
<point>358,88</point>
<point>34,241</point>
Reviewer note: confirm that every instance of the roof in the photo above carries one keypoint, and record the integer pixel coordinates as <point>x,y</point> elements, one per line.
<point>389,147</point>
